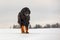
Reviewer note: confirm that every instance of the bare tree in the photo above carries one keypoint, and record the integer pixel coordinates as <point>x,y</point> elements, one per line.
<point>38,26</point>
<point>47,26</point>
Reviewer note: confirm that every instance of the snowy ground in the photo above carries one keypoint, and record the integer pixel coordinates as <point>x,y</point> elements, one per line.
<point>35,34</point>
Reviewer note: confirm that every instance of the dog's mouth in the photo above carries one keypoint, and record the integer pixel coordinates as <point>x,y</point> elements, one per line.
<point>26,14</point>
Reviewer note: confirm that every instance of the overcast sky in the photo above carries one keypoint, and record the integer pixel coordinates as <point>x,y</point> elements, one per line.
<point>42,11</point>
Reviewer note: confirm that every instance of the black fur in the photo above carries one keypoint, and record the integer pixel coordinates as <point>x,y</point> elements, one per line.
<point>24,16</point>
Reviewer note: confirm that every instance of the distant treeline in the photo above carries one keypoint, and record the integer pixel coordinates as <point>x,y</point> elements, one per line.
<point>56,25</point>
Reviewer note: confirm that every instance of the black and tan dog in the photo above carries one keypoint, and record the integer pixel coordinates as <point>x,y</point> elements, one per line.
<point>23,19</point>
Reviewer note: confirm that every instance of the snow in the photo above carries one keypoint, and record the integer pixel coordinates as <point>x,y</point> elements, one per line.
<point>34,34</point>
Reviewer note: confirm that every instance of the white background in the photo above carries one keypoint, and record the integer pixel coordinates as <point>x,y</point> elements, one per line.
<point>34,34</point>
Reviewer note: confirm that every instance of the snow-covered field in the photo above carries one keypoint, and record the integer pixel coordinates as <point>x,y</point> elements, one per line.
<point>35,34</point>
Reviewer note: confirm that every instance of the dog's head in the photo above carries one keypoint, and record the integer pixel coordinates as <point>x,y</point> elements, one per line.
<point>25,11</point>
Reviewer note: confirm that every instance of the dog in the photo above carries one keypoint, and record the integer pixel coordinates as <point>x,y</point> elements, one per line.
<point>23,19</point>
